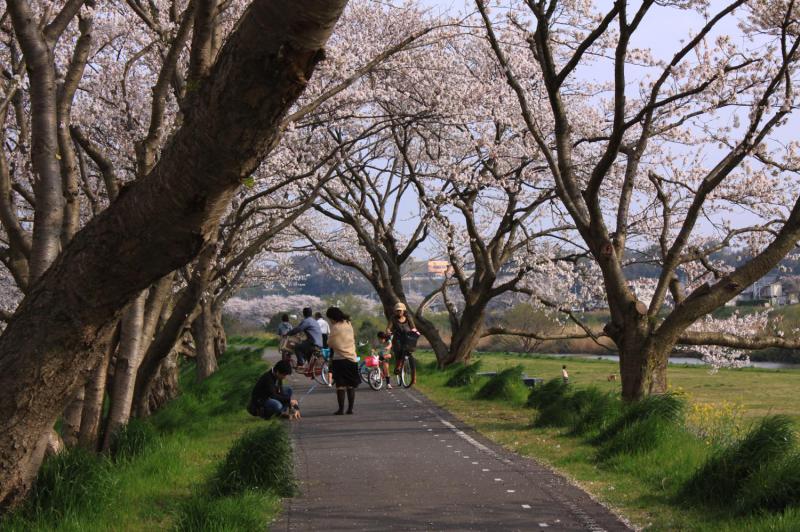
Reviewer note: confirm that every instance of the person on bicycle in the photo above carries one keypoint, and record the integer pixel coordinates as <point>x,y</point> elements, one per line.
<point>313,340</point>
<point>283,331</point>
<point>384,354</point>
<point>404,335</point>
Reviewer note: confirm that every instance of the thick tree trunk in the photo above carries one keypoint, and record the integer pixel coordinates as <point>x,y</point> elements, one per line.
<point>203,334</point>
<point>89,437</point>
<point>128,359</point>
<point>157,224</point>
<point>71,421</point>
<point>466,336</point>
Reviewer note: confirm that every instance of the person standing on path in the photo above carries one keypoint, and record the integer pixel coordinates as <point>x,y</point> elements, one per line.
<point>324,328</point>
<point>313,336</point>
<point>564,374</point>
<point>404,337</point>
<point>345,368</point>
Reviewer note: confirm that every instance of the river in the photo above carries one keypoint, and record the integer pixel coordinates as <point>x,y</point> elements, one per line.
<point>676,360</point>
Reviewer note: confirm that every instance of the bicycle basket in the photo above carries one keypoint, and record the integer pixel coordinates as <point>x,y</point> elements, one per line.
<point>371,361</point>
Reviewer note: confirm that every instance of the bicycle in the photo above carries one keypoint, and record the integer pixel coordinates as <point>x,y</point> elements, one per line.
<point>316,368</point>
<point>406,371</point>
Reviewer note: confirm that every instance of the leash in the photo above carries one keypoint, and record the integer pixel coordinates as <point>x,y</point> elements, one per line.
<point>313,386</point>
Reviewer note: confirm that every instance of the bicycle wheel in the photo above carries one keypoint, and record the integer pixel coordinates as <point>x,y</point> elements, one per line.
<point>363,371</point>
<point>408,371</point>
<point>321,372</point>
<point>375,379</point>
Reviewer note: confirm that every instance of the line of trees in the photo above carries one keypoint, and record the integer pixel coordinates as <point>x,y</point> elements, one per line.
<point>158,156</point>
<point>135,200</point>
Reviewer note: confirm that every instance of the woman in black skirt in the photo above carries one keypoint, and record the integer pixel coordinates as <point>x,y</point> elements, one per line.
<point>342,342</point>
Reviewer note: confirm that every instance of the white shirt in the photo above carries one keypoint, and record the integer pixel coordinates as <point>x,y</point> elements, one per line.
<point>323,326</point>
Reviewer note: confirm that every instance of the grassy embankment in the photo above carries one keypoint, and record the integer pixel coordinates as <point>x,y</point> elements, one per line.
<point>649,469</point>
<point>182,469</point>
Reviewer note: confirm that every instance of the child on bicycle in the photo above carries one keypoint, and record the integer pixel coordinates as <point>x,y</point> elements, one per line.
<point>283,330</point>
<point>384,354</point>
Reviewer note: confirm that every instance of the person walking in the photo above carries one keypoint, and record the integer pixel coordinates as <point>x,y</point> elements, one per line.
<point>564,374</point>
<point>345,368</point>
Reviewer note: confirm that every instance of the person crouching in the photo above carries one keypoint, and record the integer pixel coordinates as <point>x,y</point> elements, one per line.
<point>270,398</point>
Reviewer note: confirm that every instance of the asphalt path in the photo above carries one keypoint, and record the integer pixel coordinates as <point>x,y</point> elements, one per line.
<point>402,463</point>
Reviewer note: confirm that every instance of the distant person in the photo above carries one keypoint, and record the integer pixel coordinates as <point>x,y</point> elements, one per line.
<point>564,374</point>
<point>404,337</point>
<point>345,368</point>
<point>284,326</point>
<point>384,354</point>
<point>313,340</point>
<point>270,398</point>
<point>324,328</point>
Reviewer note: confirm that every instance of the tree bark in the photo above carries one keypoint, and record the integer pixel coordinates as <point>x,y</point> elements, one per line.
<point>125,368</point>
<point>157,224</point>
<point>165,383</point>
<point>466,336</point>
<point>89,437</point>
<point>71,421</point>
<point>203,334</point>
<point>183,313</point>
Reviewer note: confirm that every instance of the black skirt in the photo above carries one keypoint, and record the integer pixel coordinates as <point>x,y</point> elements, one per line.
<point>345,373</point>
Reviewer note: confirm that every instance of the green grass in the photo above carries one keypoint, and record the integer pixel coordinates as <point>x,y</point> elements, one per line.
<point>159,478</point>
<point>645,485</point>
<point>760,392</point>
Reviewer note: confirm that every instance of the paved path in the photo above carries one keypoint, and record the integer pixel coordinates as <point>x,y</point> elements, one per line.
<point>401,463</point>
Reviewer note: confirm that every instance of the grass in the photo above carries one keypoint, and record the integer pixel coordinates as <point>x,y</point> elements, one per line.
<point>590,440</point>
<point>159,477</point>
<point>759,392</point>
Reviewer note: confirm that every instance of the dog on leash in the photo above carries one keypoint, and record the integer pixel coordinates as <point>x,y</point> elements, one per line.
<point>612,377</point>
<point>294,413</point>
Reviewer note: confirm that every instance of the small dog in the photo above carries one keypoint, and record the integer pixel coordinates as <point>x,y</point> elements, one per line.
<point>294,413</point>
<point>612,377</point>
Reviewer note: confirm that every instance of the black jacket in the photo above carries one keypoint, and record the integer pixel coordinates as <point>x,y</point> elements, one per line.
<point>269,387</point>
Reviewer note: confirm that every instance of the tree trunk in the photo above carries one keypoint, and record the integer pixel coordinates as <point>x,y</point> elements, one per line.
<point>89,437</point>
<point>157,224</point>
<point>165,384</point>
<point>183,313</point>
<point>203,334</point>
<point>71,421</point>
<point>466,335</point>
<point>220,337</point>
<point>125,369</point>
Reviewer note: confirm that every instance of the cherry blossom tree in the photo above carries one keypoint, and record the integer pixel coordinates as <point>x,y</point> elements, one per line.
<point>156,224</point>
<point>662,153</point>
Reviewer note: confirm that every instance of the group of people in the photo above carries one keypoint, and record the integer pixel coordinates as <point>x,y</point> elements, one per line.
<point>271,398</point>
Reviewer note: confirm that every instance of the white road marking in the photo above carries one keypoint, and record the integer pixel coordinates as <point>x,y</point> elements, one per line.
<point>498,480</point>
<point>526,506</point>
<point>484,470</point>
<point>474,463</point>
<point>509,491</point>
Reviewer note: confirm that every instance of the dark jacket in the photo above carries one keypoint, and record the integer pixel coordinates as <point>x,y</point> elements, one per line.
<point>269,387</point>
